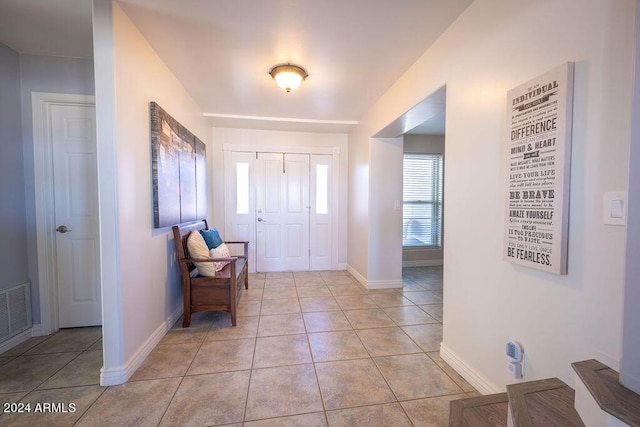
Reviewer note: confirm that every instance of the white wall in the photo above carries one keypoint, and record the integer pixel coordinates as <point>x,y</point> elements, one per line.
<point>146,290</point>
<point>358,204</point>
<point>385,245</point>
<point>269,138</point>
<point>493,47</point>
<point>425,144</point>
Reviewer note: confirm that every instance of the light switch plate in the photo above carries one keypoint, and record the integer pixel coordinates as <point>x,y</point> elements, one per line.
<point>615,208</point>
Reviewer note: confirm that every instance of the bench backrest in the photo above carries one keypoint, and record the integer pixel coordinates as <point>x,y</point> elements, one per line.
<point>180,235</point>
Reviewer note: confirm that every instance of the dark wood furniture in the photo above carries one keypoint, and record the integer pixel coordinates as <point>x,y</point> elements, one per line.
<point>604,385</point>
<point>544,403</point>
<point>481,411</point>
<point>201,293</point>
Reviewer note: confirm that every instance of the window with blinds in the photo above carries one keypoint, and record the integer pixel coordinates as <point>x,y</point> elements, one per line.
<point>422,200</point>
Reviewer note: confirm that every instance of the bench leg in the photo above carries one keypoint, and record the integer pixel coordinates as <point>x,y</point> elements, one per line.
<point>233,314</point>
<point>186,301</point>
<point>186,318</point>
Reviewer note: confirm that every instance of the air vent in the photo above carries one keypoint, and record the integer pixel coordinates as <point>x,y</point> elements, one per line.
<point>15,311</point>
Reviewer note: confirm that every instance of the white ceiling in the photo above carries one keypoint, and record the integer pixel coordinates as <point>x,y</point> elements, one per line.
<point>222,50</point>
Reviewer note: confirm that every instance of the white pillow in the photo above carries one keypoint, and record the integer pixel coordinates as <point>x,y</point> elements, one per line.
<point>198,249</point>
<point>221,251</point>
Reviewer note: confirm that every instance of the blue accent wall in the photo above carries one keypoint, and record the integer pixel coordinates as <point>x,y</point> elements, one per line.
<point>13,234</point>
<point>54,75</point>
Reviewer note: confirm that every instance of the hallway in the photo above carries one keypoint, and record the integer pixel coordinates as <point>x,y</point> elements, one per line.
<point>310,348</point>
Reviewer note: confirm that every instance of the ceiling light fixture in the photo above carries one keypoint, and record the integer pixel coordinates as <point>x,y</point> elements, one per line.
<point>288,76</point>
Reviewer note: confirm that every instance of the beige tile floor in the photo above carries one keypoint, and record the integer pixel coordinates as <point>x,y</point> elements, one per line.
<point>310,349</point>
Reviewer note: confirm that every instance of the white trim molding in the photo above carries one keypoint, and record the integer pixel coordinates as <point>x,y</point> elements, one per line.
<point>423,263</point>
<point>374,284</point>
<point>121,374</point>
<point>36,330</point>
<point>16,340</point>
<point>475,378</point>
<point>356,275</point>
<point>281,119</point>
<point>280,149</point>
<point>384,284</point>
<point>44,201</point>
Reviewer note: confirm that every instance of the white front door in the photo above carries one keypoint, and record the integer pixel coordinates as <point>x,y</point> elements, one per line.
<point>73,138</point>
<point>282,212</point>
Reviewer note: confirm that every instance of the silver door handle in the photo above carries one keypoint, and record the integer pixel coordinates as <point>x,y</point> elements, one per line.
<point>63,229</point>
<point>261,220</point>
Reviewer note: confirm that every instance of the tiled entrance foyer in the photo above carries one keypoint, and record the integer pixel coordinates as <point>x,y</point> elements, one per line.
<point>309,349</point>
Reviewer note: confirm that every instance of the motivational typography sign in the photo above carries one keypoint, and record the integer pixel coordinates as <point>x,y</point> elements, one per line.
<point>538,158</point>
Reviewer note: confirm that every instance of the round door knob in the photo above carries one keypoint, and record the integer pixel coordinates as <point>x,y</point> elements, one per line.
<point>62,229</point>
<point>261,220</point>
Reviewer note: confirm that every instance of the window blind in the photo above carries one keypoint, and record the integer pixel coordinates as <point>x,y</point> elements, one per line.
<point>422,200</point>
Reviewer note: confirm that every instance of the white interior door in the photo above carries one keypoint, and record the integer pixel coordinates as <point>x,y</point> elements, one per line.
<point>282,212</point>
<point>73,137</point>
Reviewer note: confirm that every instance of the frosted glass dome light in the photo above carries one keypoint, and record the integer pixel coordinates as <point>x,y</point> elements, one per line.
<point>288,76</point>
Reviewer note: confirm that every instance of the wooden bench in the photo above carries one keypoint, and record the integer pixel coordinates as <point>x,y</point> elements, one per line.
<point>202,293</point>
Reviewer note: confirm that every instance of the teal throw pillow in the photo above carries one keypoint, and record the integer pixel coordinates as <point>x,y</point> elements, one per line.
<point>211,237</point>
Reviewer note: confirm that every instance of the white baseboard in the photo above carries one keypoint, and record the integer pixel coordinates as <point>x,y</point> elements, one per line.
<point>423,263</point>
<point>15,340</point>
<point>384,284</point>
<point>356,275</point>
<point>473,377</point>
<point>374,284</point>
<point>342,266</point>
<point>37,331</point>
<point>121,374</point>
